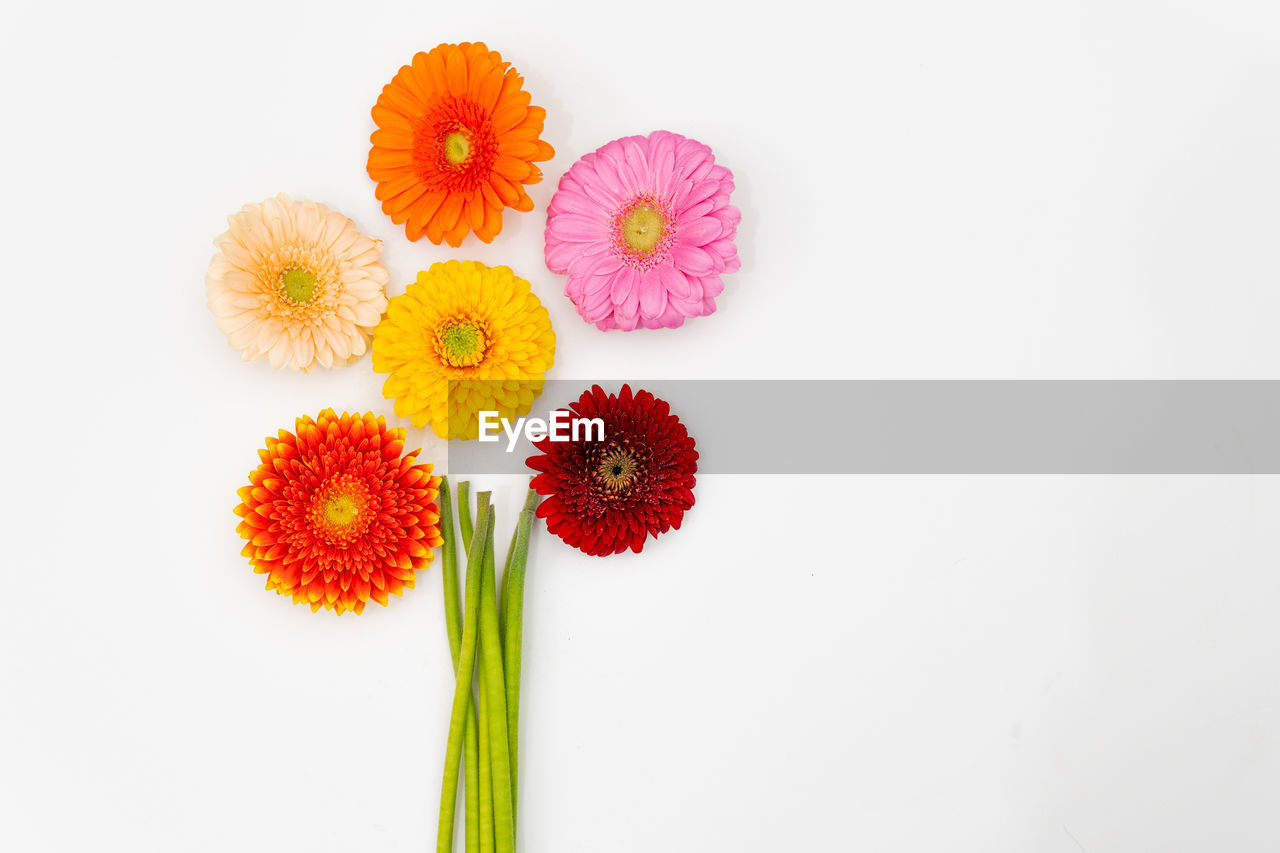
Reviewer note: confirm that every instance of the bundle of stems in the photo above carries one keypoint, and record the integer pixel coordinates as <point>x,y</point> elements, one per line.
<point>485,643</point>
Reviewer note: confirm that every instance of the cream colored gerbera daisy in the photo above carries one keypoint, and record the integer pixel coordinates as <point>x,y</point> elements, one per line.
<point>296,283</point>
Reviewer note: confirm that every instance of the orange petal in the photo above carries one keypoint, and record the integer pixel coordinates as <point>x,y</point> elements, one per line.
<point>504,190</point>
<point>455,70</point>
<point>510,167</point>
<point>475,212</point>
<point>450,211</point>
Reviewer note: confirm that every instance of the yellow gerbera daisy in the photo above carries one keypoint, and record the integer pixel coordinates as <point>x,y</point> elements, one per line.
<point>464,338</point>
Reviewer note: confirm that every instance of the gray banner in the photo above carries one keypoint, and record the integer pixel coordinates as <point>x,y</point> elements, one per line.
<point>947,427</point>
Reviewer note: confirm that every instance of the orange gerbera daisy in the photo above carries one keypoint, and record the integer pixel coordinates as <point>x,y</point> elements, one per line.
<point>455,144</point>
<point>335,515</point>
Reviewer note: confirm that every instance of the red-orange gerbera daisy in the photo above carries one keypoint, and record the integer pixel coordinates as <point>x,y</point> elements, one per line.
<point>335,515</point>
<point>456,142</point>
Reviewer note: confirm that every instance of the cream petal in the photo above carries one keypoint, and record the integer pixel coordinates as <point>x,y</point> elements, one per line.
<point>341,233</point>
<point>268,334</point>
<point>310,216</point>
<point>238,256</point>
<point>304,351</point>
<point>278,355</point>
<point>366,315</point>
<point>324,352</point>
<point>241,325</point>
<point>243,337</point>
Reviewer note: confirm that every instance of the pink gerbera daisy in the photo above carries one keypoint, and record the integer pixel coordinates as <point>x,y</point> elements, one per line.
<point>643,228</point>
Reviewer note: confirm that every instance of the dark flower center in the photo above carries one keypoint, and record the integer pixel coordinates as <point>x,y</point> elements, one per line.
<point>617,470</point>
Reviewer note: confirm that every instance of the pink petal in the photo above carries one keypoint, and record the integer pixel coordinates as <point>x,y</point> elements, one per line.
<point>688,307</point>
<point>603,197</point>
<point>674,281</point>
<point>578,229</point>
<point>700,232</point>
<point>693,260</point>
<point>672,318</point>
<point>623,285</point>
<point>705,189</point>
<point>638,165</point>
<point>613,157</point>
<point>679,192</point>
<point>706,207</point>
<point>695,290</point>
<point>702,171</point>
<point>722,175</point>
<point>689,156</point>
<point>560,253</point>
<point>570,201</point>
<point>587,252</point>
<point>723,247</point>
<point>630,307</point>
<point>653,296</point>
<point>662,159</point>
<point>603,263</point>
<point>729,215</point>
<point>597,304</point>
<point>608,176</point>
<point>626,322</point>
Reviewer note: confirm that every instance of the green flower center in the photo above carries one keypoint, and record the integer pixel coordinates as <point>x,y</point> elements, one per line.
<point>462,343</point>
<point>642,229</point>
<point>457,147</point>
<point>341,510</point>
<point>299,284</point>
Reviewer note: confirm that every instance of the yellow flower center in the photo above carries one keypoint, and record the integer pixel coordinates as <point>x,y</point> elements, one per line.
<point>341,510</point>
<point>617,470</point>
<point>457,147</point>
<point>299,284</point>
<point>642,228</point>
<point>462,343</point>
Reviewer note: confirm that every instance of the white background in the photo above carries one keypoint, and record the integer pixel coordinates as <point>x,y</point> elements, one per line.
<point>929,190</point>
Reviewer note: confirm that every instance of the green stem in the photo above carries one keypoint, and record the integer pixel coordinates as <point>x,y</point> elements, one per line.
<point>486,780</point>
<point>471,780</point>
<point>462,688</point>
<point>491,671</point>
<point>513,637</point>
<point>464,510</point>
<point>453,622</point>
<point>449,573</point>
<point>484,829</point>
<point>503,603</point>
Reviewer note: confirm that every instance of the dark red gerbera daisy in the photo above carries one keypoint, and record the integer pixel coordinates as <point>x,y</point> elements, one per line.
<point>603,497</point>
